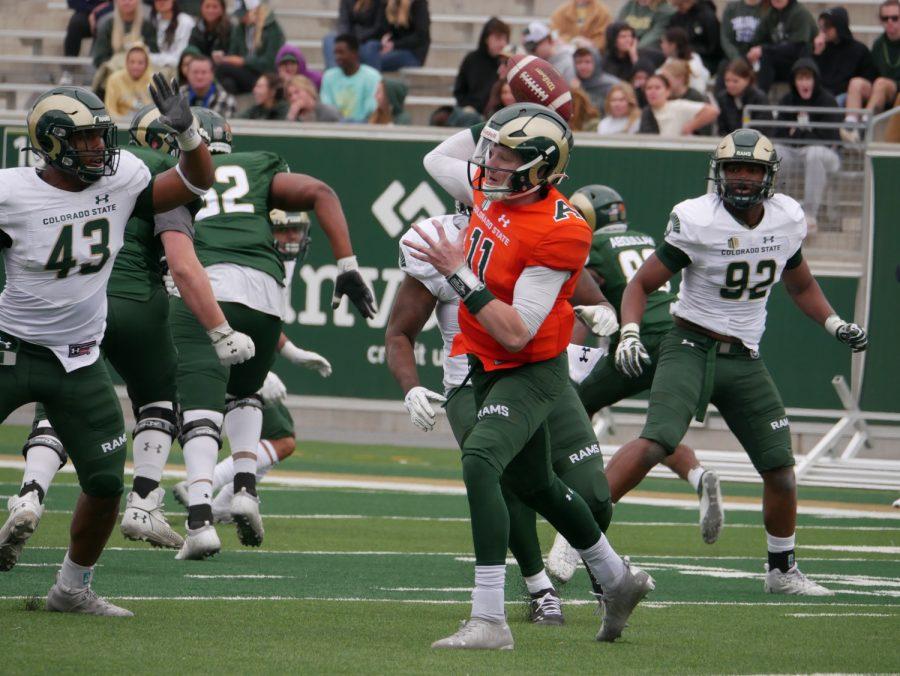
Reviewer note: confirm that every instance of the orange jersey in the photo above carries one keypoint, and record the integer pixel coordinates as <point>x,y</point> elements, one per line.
<point>501,241</point>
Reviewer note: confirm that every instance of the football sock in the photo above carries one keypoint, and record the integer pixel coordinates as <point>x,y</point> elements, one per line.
<point>200,454</point>
<point>266,458</point>
<point>603,561</point>
<point>523,537</point>
<point>243,427</point>
<point>151,449</point>
<point>539,582</point>
<point>781,552</point>
<point>73,576</point>
<point>32,486</point>
<point>223,474</point>
<point>143,486</point>
<point>487,597</point>
<point>694,477</point>
<point>41,465</point>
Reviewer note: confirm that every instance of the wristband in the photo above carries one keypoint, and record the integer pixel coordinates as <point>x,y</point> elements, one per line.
<point>290,351</point>
<point>347,264</point>
<point>632,328</point>
<point>189,139</point>
<point>833,323</point>
<point>476,300</point>
<point>464,281</point>
<point>219,332</point>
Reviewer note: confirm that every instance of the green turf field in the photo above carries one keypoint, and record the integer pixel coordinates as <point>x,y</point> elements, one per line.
<point>352,580</point>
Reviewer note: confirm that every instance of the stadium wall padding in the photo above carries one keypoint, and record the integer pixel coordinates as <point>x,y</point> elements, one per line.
<point>383,188</point>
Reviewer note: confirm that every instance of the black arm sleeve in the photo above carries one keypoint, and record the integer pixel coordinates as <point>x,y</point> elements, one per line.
<point>672,257</point>
<point>794,260</point>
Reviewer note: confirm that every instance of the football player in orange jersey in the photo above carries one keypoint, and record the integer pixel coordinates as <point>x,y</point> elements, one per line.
<point>514,270</point>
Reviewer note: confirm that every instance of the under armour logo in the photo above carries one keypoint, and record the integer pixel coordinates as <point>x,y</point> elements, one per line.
<point>504,220</point>
<point>148,446</point>
<point>101,198</point>
<point>685,341</point>
<point>768,239</point>
<point>139,517</point>
<point>584,354</point>
<point>5,344</point>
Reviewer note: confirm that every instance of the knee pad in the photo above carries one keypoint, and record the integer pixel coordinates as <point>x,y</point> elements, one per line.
<point>251,401</point>
<point>203,427</point>
<point>45,435</point>
<point>156,418</point>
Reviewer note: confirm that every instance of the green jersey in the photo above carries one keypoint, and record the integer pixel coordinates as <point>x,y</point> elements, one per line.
<point>137,272</point>
<point>233,226</point>
<point>617,253</point>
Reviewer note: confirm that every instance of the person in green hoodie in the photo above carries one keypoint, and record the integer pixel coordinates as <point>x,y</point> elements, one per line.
<point>255,41</point>
<point>740,19</point>
<point>784,34</point>
<point>648,18</point>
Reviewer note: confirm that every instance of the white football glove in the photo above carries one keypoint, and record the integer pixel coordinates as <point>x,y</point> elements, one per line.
<point>273,390</point>
<point>850,334</point>
<point>600,319</point>
<point>232,347</point>
<point>631,354</point>
<point>418,403</point>
<point>169,283</point>
<point>306,358</point>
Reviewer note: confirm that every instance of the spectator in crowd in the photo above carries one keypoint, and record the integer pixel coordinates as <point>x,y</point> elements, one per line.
<point>184,61</point>
<point>591,78</point>
<point>585,19</point>
<point>838,55</point>
<point>585,116</point>
<point>785,33</point>
<point>698,19</point>
<point>389,100</point>
<point>212,33</point>
<point>739,23</point>
<point>126,89</point>
<point>622,52</point>
<point>405,34</point>
<point>501,96</point>
<point>203,90</point>
<point>643,69</point>
<point>350,85</point>
<point>125,25</point>
<point>252,48</point>
<point>538,40</point>
<point>478,70</point>
<point>173,33</point>
<point>678,73</point>
<point>648,19</point>
<point>622,114</point>
<point>803,146</point>
<point>83,22</point>
<point>738,93</point>
<point>304,104</point>
<point>290,61</point>
<point>362,19</point>
<point>881,93</point>
<point>672,118</point>
<point>268,103</point>
<point>676,46</point>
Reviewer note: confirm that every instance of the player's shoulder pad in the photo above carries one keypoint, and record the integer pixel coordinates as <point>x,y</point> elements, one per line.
<point>787,208</point>
<point>691,215</point>
<point>130,168</point>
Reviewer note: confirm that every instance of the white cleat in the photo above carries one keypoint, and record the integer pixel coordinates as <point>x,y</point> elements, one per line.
<point>180,491</point>
<point>24,516</point>
<point>144,520</point>
<point>619,602</point>
<point>200,543</point>
<point>712,515</point>
<point>479,634</point>
<point>245,513</point>
<point>61,599</point>
<point>563,559</point>
<point>221,504</point>
<point>793,582</point>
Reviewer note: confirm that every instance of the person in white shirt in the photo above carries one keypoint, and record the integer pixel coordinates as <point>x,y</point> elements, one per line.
<point>672,118</point>
<point>173,32</point>
<point>621,114</point>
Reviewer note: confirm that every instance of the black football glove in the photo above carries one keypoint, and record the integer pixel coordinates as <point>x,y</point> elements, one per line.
<point>174,110</point>
<point>351,284</point>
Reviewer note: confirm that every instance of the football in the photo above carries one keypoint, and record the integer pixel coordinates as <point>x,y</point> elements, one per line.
<point>534,80</point>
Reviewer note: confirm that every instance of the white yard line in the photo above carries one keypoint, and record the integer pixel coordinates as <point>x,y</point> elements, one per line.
<point>240,577</point>
<point>860,549</point>
<point>840,615</point>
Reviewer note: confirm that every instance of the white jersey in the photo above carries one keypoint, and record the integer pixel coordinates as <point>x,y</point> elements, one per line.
<point>581,359</point>
<point>733,268</point>
<point>63,245</point>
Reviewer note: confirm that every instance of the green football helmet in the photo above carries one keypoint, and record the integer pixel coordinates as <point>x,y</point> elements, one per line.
<point>744,146</point>
<point>146,130</point>
<point>214,130</point>
<point>538,143</point>
<point>61,113</point>
<point>600,205</point>
<point>284,222</point>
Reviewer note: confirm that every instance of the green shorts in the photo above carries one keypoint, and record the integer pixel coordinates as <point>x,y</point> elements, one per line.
<point>694,369</point>
<point>139,346</point>
<point>277,422</point>
<point>81,405</point>
<point>203,382</point>
<point>605,386</point>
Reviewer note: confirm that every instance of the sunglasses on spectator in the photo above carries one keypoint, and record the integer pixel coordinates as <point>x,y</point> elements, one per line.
<point>889,18</point>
